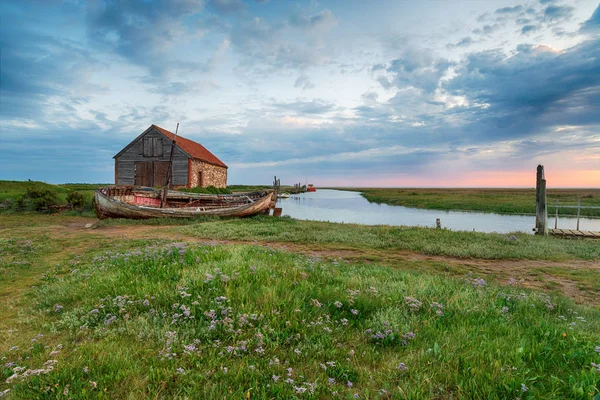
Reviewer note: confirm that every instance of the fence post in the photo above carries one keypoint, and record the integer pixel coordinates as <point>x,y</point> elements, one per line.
<point>578,211</point>
<point>541,211</point>
<point>556,218</point>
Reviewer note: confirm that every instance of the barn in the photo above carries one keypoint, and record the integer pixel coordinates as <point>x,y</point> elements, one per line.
<point>145,162</point>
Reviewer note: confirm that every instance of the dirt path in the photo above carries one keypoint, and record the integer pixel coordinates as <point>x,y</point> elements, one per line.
<point>568,277</point>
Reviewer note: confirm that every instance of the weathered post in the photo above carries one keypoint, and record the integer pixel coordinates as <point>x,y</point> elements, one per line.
<point>541,211</point>
<point>578,212</point>
<point>438,223</point>
<point>556,215</point>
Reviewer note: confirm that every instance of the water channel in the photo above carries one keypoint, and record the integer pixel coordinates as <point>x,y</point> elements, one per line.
<point>351,207</point>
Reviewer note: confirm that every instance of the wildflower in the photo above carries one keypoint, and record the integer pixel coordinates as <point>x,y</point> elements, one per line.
<point>413,303</point>
<point>338,304</point>
<point>383,391</point>
<point>86,370</point>
<point>402,367</point>
<point>300,389</point>
<point>479,282</point>
<point>356,396</point>
<point>344,321</point>
<point>330,363</point>
<point>331,381</point>
<point>597,366</point>
<point>316,303</point>
<point>58,308</point>
<point>353,311</point>
<point>93,384</point>
<point>350,384</point>
<point>180,371</point>
<point>297,351</point>
<point>597,349</point>
<point>289,380</point>
<point>94,311</point>
<point>524,388</point>
<point>275,378</point>
<point>504,310</point>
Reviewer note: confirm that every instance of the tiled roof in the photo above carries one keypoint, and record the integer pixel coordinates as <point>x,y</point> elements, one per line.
<point>196,150</point>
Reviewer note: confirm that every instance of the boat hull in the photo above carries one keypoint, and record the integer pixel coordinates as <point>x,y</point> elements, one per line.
<point>111,207</point>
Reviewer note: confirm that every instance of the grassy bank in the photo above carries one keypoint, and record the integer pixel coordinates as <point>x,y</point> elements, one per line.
<point>118,318</point>
<point>422,240</point>
<point>506,201</point>
<point>18,196</point>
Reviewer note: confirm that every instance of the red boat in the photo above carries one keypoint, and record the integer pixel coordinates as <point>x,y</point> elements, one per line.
<point>311,188</point>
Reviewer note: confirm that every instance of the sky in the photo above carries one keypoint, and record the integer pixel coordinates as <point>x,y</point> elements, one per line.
<point>340,92</point>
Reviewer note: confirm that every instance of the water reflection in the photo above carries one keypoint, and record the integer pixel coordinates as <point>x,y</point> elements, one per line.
<point>351,207</point>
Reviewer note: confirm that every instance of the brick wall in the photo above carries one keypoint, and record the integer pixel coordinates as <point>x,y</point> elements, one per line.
<point>212,175</point>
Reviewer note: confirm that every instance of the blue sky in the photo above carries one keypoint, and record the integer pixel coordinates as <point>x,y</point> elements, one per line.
<point>340,92</point>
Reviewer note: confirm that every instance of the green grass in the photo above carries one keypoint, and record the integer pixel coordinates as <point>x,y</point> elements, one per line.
<point>507,201</point>
<point>136,322</point>
<point>421,240</point>
<point>10,191</point>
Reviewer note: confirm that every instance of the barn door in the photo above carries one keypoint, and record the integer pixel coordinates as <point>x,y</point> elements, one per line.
<point>160,172</point>
<point>144,173</point>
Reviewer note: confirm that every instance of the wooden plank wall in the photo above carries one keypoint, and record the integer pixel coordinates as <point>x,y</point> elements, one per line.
<point>126,161</point>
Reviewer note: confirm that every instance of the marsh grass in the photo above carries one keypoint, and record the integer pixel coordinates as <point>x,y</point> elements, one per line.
<point>423,240</point>
<point>503,201</point>
<point>249,322</point>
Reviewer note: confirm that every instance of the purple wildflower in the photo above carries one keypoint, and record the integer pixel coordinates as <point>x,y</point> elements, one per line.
<point>402,367</point>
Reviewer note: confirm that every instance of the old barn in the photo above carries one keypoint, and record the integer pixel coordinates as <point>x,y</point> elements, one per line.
<point>145,162</point>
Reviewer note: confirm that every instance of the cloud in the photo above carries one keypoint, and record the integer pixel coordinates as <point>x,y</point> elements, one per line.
<point>321,19</point>
<point>227,6</point>
<point>294,44</point>
<point>464,42</point>
<point>304,82</point>
<point>415,68</point>
<point>316,106</point>
<point>528,29</point>
<point>487,29</point>
<point>509,10</point>
<point>557,13</point>
<point>592,25</point>
<point>530,92</point>
<point>142,32</point>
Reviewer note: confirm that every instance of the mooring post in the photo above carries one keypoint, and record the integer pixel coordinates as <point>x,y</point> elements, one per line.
<point>578,212</point>
<point>541,211</point>
<point>438,223</point>
<point>556,217</point>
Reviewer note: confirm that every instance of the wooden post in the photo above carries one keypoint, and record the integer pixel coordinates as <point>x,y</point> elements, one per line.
<point>556,217</point>
<point>438,223</point>
<point>541,211</point>
<point>578,212</point>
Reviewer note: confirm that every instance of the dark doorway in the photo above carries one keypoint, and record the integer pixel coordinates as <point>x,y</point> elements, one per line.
<point>148,173</point>
<point>201,179</point>
<point>144,173</point>
<point>160,172</point>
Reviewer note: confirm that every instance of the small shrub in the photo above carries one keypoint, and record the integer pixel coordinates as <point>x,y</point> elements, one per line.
<point>37,199</point>
<point>75,199</point>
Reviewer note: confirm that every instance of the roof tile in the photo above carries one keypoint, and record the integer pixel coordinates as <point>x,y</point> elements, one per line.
<point>196,150</point>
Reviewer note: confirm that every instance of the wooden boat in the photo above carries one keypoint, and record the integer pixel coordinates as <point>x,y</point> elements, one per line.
<point>283,196</point>
<point>137,202</point>
<point>311,188</point>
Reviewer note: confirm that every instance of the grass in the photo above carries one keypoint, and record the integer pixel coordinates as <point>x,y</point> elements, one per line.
<point>505,201</point>
<point>141,319</point>
<point>416,239</point>
<point>11,191</point>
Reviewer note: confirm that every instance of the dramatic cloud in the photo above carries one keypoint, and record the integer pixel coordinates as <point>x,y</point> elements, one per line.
<point>592,25</point>
<point>343,91</point>
<point>143,32</point>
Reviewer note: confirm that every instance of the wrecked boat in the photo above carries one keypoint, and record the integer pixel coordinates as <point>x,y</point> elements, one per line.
<point>138,202</point>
